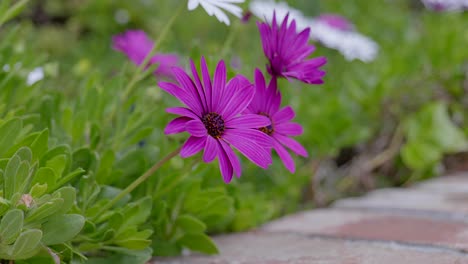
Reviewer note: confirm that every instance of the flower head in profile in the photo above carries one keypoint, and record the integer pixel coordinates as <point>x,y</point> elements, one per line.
<point>217,7</point>
<point>287,52</point>
<point>266,102</point>
<point>137,45</point>
<point>336,32</point>
<point>213,119</point>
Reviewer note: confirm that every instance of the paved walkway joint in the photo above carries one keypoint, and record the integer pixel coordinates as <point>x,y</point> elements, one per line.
<point>427,223</point>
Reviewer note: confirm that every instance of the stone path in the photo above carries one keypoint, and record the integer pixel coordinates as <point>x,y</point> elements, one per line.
<point>427,223</point>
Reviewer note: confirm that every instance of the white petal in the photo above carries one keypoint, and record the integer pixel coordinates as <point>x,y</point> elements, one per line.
<point>217,8</point>
<point>35,75</point>
<point>192,4</point>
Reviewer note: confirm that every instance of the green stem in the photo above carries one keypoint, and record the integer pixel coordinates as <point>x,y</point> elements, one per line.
<point>230,38</point>
<point>137,75</point>
<point>12,11</point>
<point>139,180</point>
<point>141,71</point>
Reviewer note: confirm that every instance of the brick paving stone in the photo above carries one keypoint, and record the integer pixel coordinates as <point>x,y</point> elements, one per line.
<point>280,248</point>
<point>412,199</point>
<point>371,225</point>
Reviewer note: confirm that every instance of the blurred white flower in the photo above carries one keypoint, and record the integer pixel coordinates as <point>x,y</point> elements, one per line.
<point>6,68</point>
<point>263,9</point>
<point>217,7</point>
<point>36,75</point>
<point>122,16</point>
<point>334,33</point>
<point>446,5</point>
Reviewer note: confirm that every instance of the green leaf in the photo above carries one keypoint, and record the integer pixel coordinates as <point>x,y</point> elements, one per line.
<point>62,228</point>
<point>27,244</point>
<point>190,224</point>
<point>40,145</point>
<point>199,242</point>
<point>84,158</point>
<point>8,134</point>
<point>11,225</point>
<point>38,190</point>
<point>9,176</point>
<point>45,175</point>
<point>57,164</point>
<point>45,210</point>
<point>68,194</point>
<point>136,213</point>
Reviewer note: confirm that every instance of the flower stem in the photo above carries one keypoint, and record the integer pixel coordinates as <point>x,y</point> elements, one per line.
<point>139,180</point>
<point>230,38</point>
<point>139,73</point>
<point>12,11</point>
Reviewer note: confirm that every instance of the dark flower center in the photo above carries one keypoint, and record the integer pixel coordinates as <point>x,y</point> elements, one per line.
<point>269,130</point>
<point>214,124</point>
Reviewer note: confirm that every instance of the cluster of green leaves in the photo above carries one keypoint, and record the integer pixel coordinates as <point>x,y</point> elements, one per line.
<point>79,142</point>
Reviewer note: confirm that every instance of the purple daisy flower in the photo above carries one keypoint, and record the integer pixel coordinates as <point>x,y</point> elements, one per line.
<point>136,45</point>
<point>288,50</point>
<point>212,118</point>
<point>266,102</point>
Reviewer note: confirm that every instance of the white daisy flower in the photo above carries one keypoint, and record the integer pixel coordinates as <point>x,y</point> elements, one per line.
<point>337,33</point>
<point>446,5</point>
<point>263,9</point>
<point>35,75</point>
<point>217,7</point>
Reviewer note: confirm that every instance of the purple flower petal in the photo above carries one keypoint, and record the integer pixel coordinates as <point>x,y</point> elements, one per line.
<point>290,129</point>
<point>283,115</point>
<point>235,162</point>
<point>188,85</point>
<point>292,144</point>
<point>285,157</point>
<point>196,128</point>
<point>192,146</point>
<point>182,95</point>
<point>182,111</point>
<point>287,52</point>
<point>254,152</point>
<point>137,45</point>
<point>207,83</point>
<point>225,165</point>
<point>219,83</point>
<point>177,125</point>
<point>238,102</point>
<point>248,121</point>
<point>211,149</point>
<point>257,136</point>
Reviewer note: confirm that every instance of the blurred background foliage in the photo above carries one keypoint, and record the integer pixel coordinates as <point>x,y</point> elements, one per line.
<point>397,120</point>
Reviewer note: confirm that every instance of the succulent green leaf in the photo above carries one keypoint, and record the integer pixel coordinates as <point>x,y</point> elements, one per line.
<point>11,225</point>
<point>62,228</point>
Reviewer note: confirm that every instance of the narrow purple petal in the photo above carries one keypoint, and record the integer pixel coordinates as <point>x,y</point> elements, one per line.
<point>233,158</point>
<point>182,111</point>
<point>182,95</point>
<point>225,165</point>
<point>285,157</point>
<point>238,102</point>
<point>211,149</point>
<point>254,135</point>
<point>196,128</point>
<point>188,85</point>
<point>219,83</point>
<point>199,85</point>
<point>292,144</point>
<point>254,152</point>
<point>248,121</point>
<point>192,146</point>
<point>283,115</point>
<point>290,129</point>
<point>177,125</point>
<point>206,82</point>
